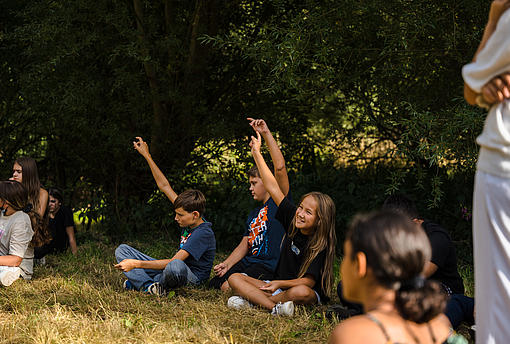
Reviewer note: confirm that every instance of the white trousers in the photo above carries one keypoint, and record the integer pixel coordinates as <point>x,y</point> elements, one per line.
<point>491,242</point>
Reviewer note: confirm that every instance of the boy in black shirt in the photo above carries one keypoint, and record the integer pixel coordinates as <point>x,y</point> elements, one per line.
<point>443,263</point>
<point>61,224</point>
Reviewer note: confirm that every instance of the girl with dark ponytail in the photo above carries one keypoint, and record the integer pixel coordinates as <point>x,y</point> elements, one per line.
<point>16,255</point>
<point>384,257</point>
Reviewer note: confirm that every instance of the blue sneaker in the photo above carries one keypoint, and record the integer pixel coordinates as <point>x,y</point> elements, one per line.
<point>155,289</point>
<point>128,285</point>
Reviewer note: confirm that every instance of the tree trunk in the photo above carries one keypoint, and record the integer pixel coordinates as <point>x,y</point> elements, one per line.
<point>159,110</point>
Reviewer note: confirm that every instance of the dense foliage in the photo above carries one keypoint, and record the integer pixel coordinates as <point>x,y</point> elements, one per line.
<point>364,97</point>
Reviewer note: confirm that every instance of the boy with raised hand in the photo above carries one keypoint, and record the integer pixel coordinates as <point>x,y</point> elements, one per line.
<point>193,261</point>
<point>259,250</point>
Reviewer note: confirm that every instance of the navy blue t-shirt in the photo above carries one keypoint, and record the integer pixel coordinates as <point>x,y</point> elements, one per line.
<point>200,243</point>
<point>265,235</point>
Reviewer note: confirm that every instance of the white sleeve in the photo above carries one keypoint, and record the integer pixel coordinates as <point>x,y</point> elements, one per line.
<point>21,236</point>
<point>493,59</point>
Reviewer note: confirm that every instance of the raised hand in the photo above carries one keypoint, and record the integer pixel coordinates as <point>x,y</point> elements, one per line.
<point>255,143</point>
<point>259,125</point>
<point>141,146</point>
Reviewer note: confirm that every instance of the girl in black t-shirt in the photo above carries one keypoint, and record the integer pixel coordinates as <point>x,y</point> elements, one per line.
<point>305,270</point>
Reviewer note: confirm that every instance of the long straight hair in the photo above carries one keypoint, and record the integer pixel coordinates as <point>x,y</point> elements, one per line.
<point>30,179</point>
<point>323,238</point>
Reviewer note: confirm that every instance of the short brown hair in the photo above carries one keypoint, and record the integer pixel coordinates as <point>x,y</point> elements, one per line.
<point>253,172</point>
<point>191,200</point>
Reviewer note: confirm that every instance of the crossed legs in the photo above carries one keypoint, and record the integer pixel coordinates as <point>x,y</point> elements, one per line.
<point>249,288</point>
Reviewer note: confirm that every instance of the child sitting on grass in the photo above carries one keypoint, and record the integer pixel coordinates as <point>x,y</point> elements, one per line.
<point>304,273</point>
<point>259,250</point>
<point>193,261</point>
<point>16,256</point>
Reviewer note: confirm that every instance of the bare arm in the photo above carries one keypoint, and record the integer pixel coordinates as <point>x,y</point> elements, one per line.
<point>72,239</point>
<point>430,269</point>
<point>43,202</point>
<point>10,260</point>
<point>159,177</point>
<point>272,286</point>
<point>280,171</point>
<point>129,264</point>
<point>498,7</point>
<point>267,177</point>
<point>237,254</point>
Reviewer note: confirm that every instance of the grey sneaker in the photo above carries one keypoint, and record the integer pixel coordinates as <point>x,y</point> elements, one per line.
<point>286,309</point>
<point>237,302</point>
<point>8,274</point>
<point>155,289</point>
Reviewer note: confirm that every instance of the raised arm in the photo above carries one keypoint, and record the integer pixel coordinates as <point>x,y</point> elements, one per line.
<point>159,177</point>
<point>267,177</point>
<point>498,7</point>
<point>280,171</point>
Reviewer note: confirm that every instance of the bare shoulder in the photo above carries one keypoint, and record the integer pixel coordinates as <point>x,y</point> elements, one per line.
<point>355,330</point>
<point>441,326</point>
<point>43,192</point>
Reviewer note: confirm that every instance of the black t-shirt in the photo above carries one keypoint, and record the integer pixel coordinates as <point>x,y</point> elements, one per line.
<point>63,219</point>
<point>444,256</point>
<point>293,252</point>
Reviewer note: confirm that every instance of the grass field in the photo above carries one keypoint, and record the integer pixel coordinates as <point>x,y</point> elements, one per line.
<point>80,300</point>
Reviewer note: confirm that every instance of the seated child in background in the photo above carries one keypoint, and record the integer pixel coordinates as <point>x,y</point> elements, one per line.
<point>442,266</point>
<point>193,261</point>
<point>385,254</point>
<point>16,256</point>
<point>304,273</point>
<point>259,250</point>
<point>61,224</point>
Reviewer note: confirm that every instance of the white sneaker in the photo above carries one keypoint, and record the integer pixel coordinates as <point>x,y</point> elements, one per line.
<point>155,289</point>
<point>237,302</point>
<point>286,309</point>
<point>8,274</point>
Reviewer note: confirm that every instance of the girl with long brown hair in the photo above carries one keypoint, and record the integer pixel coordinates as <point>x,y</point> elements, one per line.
<point>25,172</point>
<point>304,274</point>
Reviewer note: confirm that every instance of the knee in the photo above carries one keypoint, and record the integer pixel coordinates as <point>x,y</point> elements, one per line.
<point>302,294</point>
<point>120,252</point>
<point>174,274</point>
<point>225,286</point>
<point>234,280</point>
<point>176,267</point>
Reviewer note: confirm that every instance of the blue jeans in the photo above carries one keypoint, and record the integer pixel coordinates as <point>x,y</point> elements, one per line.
<point>174,275</point>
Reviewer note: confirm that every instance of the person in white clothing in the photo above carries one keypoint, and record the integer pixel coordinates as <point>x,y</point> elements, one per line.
<point>487,84</point>
<point>16,254</point>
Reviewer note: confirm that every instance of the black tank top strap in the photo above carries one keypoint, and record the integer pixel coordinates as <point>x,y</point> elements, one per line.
<point>432,336</point>
<point>381,326</point>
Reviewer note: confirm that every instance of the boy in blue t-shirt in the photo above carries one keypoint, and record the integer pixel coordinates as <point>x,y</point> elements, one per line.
<point>259,250</point>
<point>193,261</point>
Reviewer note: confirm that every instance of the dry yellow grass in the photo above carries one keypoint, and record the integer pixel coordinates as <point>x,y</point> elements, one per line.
<point>80,300</point>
